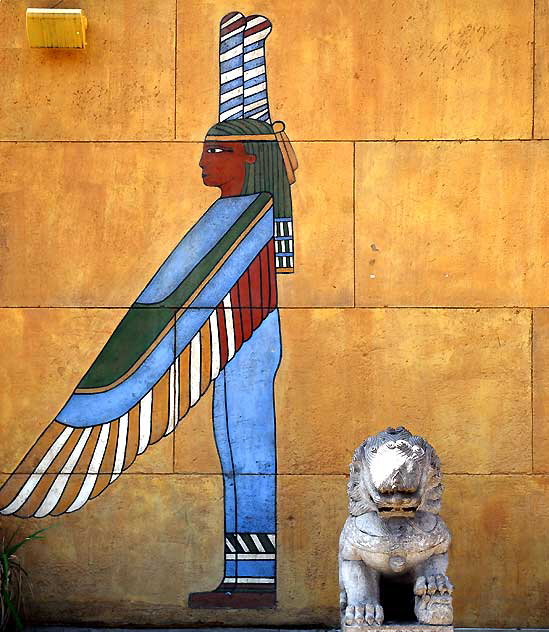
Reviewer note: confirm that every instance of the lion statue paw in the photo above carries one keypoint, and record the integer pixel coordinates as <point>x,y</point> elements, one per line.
<point>433,604</point>
<point>367,614</point>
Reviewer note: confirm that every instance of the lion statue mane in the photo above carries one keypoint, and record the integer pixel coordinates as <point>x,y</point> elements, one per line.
<point>394,530</point>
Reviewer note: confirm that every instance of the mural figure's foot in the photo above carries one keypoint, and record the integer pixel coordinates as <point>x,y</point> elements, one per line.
<point>230,595</point>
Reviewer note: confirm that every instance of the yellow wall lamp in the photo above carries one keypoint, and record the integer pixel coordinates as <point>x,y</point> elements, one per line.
<point>56,28</point>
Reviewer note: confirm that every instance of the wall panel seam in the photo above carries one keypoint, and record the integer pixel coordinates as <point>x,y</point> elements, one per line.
<point>532,389</point>
<point>175,75</point>
<point>534,70</point>
<point>199,141</point>
<point>338,307</point>
<point>354,225</point>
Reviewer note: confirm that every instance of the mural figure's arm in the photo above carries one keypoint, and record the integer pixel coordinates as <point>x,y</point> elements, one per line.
<point>185,326</point>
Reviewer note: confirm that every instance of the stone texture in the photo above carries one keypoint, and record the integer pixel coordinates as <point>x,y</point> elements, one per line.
<point>195,450</point>
<point>460,377</point>
<point>45,352</point>
<point>109,568</point>
<point>541,74</point>
<point>307,541</point>
<point>492,536</point>
<point>98,235</point>
<point>452,224</point>
<point>497,544</point>
<point>141,576</point>
<point>540,347</point>
<point>323,227</point>
<point>86,224</point>
<point>125,558</point>
<point>112,569</point>
<point>120,87</point>
<point>374,69</point>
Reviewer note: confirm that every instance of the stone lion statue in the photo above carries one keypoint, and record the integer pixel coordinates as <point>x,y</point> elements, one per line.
<point>394,531</point>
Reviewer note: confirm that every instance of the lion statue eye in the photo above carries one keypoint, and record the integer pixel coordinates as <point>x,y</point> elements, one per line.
<point>373,449</point>
<point>391,445</point>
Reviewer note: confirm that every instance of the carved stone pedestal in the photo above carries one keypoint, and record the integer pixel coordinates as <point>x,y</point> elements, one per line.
<point>397,627</point>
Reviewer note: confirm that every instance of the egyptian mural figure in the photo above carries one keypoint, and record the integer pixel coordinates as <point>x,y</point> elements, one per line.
<point>208,315</point>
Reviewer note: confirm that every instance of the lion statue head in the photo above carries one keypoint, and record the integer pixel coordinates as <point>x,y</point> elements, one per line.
<point>395,473</point>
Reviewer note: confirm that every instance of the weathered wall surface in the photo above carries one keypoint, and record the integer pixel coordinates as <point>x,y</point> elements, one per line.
<point>420,293</point>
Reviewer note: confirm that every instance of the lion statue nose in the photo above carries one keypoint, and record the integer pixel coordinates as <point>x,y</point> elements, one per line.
<point>397,481</point>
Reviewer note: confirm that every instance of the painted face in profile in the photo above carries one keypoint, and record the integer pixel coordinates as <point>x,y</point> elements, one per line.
<point>223,165</point>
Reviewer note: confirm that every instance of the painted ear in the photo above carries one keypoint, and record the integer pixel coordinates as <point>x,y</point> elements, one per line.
<point>250,158</point>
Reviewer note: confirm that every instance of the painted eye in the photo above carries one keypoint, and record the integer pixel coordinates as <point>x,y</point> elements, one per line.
<point>373,450</point>
<point>391,445</point>
<point>214,150</point>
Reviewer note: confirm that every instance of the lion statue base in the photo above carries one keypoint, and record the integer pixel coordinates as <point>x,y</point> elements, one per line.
<point>394,533</point>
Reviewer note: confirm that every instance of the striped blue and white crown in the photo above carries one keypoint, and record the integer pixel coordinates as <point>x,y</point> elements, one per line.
<point>242,69</point>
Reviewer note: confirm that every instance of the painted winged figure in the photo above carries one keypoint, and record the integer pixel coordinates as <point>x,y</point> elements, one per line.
<point>208,315</point>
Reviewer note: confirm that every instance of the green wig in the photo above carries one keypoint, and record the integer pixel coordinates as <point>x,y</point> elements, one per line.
<point>268,172</point>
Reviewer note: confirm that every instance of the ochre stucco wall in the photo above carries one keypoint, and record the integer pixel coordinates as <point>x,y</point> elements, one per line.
<point>422,268</point>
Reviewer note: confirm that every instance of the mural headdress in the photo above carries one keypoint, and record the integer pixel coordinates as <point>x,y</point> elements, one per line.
<point>243,84</point>
<point>244,116</point>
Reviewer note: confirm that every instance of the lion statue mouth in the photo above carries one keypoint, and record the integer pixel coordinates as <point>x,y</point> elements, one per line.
<point>396,503</point>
